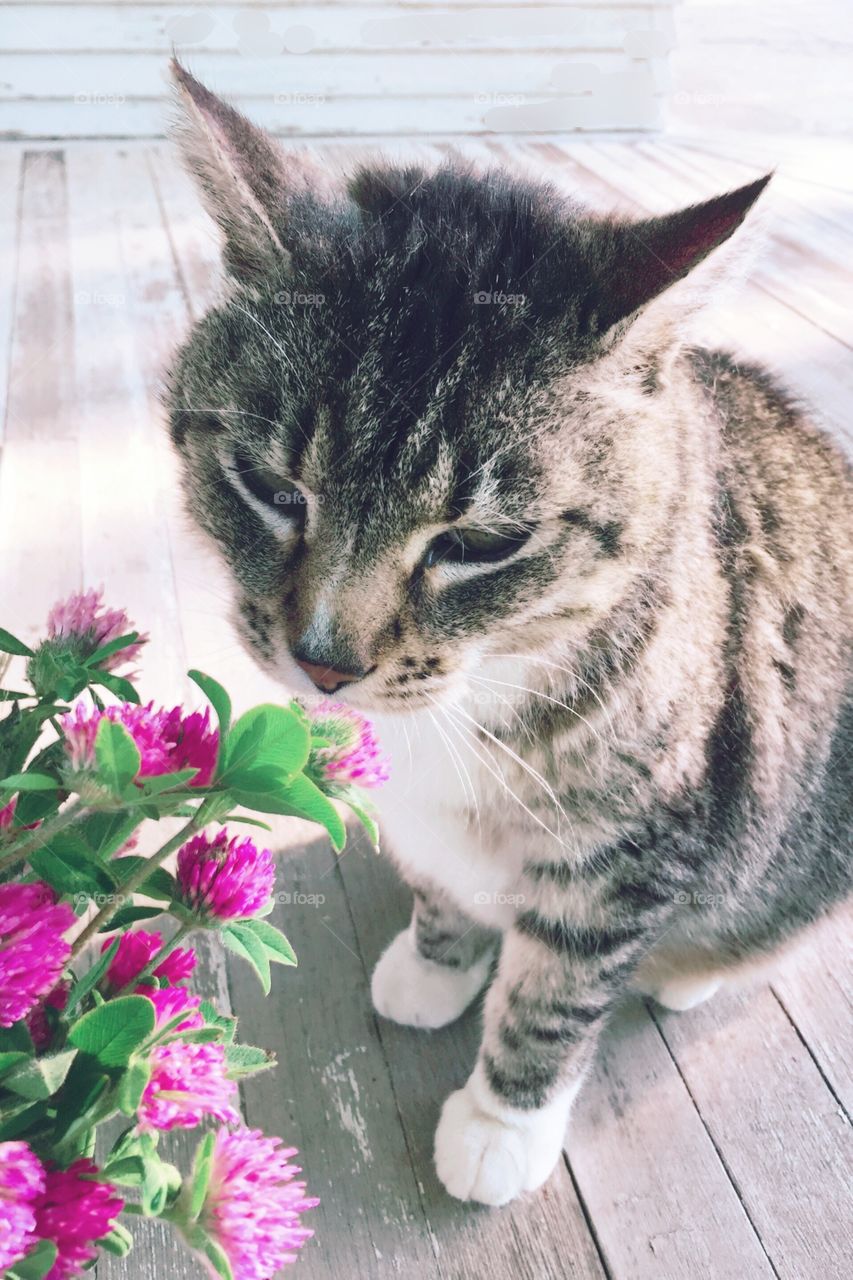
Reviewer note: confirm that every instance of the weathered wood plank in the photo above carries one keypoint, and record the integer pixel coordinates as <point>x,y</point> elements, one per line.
<point>331,1094</point>
<point>814,985</point>
<point>10,193</point>
<point>658,1194</point>
<point>125,545</point>
<point>783,1137</point>
<point>194,238</point>
<point>823,164</point>
<point>538,1238</point>
<point>739,67</point>
<point>39,499</point>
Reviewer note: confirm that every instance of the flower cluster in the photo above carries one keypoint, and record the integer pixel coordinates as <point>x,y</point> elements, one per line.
<point>84,624</point>
<point>136,950</point>
<point>85,1037</point>
<point>253,1205</point>
<point>70,1208</point>
<point>21,1184</point>
<point>74,1212</point>
<point>349,750</point>
<point>167,740</point>
<point>225,878</point>
<point>33,946</point>
<point>188,1082</point>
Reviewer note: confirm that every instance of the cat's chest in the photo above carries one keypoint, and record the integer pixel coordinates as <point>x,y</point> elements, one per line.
<point>449,818</point>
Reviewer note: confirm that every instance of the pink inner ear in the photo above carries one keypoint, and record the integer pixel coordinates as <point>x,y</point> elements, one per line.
<point>660,251</point>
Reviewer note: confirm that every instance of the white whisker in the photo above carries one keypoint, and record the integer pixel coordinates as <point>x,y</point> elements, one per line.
<point>458,764</point>
<point>537,693</point>
<point>519,760</point>
<point>500,778</point>
<point>556,666</point>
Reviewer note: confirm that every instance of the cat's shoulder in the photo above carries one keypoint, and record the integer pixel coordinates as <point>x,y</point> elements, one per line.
<point>767,433</point>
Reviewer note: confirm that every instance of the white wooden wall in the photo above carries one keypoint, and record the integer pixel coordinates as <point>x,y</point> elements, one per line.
<point>97,68</point>
<point>763,66</point>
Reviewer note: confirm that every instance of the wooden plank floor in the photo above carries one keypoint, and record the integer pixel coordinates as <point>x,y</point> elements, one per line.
<point>708,1144</point>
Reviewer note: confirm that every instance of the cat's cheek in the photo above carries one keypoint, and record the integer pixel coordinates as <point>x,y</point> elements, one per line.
<point>491,1153</point>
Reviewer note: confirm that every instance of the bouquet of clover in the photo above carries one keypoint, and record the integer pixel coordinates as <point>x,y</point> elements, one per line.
<point>91,1036</point>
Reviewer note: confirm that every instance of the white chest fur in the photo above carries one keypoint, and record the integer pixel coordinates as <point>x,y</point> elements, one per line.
<point>434,815</point>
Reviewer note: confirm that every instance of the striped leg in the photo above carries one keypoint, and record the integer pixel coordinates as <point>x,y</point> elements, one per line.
<point>503,1132</point>
<point>433,970</point>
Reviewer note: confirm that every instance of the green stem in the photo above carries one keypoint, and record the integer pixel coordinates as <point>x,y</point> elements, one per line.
<point>42,834</point>
<point>156,960</point>
<point>103,1110</point>
<point>204,814</point>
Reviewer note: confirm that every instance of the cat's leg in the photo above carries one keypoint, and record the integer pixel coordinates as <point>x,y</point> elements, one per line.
<point>433,970</point>
<point>503,1132</point>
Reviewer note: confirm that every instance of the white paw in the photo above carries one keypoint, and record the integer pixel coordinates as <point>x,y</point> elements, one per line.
<point>676,991</point>
<point>420,993</point>
<point>492,1154</point>
<point>680,994</point>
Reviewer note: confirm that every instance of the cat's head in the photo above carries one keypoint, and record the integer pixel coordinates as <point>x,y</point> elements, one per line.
<point>416,429</point>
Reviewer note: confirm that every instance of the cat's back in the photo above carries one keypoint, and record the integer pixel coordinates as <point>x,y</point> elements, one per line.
<point>788,486</point>
<point>785,535</point>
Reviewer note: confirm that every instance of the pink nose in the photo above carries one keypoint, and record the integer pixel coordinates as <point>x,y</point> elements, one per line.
<point>326,678</point>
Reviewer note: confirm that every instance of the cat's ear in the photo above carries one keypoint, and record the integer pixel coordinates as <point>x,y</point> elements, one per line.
<point>647,257</point>
<point>244,177</point>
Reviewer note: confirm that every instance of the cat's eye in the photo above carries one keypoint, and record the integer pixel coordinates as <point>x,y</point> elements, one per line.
<point>473,546</point>
<point>271,489</point>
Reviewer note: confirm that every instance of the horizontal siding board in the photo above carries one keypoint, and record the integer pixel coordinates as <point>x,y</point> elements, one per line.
<point>73,28</point>
<point>79,76</point>
<point>379,6</point>
<point>346,117</point>
<point>99,68</point>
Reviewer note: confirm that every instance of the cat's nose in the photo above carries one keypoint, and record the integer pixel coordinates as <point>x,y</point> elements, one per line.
<point>327,678</point>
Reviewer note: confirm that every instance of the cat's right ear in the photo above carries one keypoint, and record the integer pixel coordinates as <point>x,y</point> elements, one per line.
<point>646,258</point>
<point>245,179</point>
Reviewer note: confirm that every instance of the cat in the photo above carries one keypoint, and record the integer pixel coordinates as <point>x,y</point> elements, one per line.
<point>593,584</point>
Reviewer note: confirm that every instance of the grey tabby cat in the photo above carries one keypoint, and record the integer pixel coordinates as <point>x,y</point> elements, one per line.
<point>447,437</point>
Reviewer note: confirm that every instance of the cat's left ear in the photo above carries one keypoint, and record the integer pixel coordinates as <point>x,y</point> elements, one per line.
<point>245,179</point>
<point>646,257</point>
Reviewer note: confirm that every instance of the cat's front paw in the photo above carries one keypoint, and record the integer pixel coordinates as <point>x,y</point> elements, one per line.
<point>421,993</point>
<point>483,1155</point>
